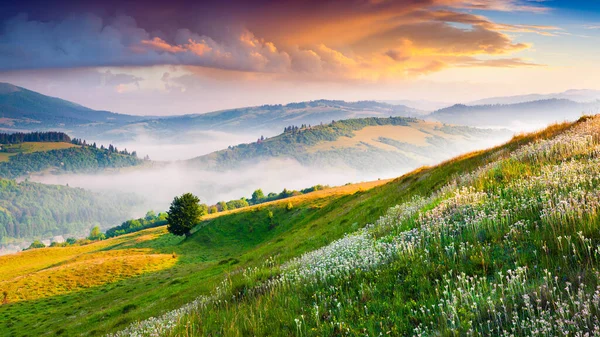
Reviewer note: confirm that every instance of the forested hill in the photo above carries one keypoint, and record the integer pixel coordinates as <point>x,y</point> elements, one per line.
<point>37,211</point>
<point>73,159</point>
<point>368,144</point>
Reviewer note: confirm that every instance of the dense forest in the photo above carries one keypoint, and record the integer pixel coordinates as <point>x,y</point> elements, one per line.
<point>31,210</point>
<point>76,159</point>
<point>20,137</point>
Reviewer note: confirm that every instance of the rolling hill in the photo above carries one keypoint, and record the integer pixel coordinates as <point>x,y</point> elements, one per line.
<point>366,144</point>
<point>518,116</point>
<point>475,241</point>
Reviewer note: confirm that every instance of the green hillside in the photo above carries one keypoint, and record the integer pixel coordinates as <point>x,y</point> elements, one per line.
<point>498,243</point>
<point>31,211</point>
<point>300,273</point>
<point>367,144</point>
<point>27,158</point>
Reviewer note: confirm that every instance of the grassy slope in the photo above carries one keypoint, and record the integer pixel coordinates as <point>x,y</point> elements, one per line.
<point>220,245</point>
<point>31,147</point>
<point>482,267</point>
<point>224,244</point>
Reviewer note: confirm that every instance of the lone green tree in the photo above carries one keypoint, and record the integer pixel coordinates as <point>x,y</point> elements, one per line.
<point>184,213</point>
<point>96,234</point>
<point>257,196</point>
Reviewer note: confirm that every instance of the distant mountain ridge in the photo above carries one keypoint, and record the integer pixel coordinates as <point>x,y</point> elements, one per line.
<point>26,110</point>
<point>271,119</point>
<point>23,108</point>
<point>536,113</point>
<point>576,95</point>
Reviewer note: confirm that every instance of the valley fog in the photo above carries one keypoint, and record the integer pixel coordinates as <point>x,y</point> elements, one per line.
<point>184,146</point>
<point>158,185</point>
<point>158,182</point>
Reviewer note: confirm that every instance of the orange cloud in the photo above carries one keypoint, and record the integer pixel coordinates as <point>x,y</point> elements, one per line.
<point>160,45</point>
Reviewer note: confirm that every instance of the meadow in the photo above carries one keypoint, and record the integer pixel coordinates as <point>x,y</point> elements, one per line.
<point>30,147</point>
<point>507,248</point>
<point>109,284</point>
<point>494,242</point>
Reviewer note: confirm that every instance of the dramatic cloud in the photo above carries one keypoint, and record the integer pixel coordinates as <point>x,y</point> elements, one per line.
<point>318,39</point>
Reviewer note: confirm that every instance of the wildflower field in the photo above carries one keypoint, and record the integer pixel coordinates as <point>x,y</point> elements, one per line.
<point>495,242</point>
<point>503,242</point>
<point>104,286</point>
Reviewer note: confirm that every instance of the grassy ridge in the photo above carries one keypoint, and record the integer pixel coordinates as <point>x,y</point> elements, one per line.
<point>507,249</point>
<point>227,245</point>
<point>265,303</point>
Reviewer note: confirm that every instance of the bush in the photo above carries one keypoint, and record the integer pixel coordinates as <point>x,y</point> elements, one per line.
<point>36,244</point>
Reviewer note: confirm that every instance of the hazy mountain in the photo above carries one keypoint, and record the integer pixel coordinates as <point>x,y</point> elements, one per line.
<point>520,116</point>
<point>271,119</point>
<point>367,144</point>
<point>22,109</point>
<point>576,95</point>
<point>25,109</point>
<point>424,105</point>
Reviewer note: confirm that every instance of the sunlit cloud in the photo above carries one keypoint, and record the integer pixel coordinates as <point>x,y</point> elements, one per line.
<point>412,36</point>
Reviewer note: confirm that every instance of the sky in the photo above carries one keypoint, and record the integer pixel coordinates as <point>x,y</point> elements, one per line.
<point>180,57</point>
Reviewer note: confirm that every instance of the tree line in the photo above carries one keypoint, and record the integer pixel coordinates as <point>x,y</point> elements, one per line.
<point>20,137</point>
<point>258,197</point>
<point>293,142</point>
<point>111,148</point>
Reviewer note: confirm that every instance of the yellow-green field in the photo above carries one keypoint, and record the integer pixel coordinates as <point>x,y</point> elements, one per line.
<point>30,147</point>
<point>151,271</point>
<point>53,271</point>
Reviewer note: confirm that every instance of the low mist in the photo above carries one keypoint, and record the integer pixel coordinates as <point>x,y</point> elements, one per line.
<point>184,146</point>
<point>158,185</point>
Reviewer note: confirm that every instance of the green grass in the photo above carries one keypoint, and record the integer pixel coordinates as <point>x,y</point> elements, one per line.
<point>30,147</point>
<point>220,245</point>
<point>232,242</point>
<point>507,258</point>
